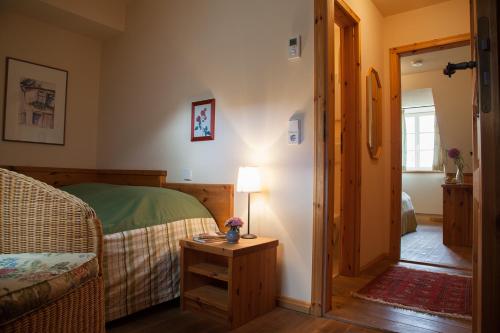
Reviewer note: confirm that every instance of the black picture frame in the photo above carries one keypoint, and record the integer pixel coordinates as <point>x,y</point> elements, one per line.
<point>47,121</point>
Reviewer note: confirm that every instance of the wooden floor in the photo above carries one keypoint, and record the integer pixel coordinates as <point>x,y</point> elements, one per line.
<point>169,318</point>
<point>426,246</point>
<point>386,317</point>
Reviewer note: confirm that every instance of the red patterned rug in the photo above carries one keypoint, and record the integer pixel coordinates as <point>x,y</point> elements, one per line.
<point>430,292</point>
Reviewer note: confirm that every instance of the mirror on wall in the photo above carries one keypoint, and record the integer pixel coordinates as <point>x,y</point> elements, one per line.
<point>374,113</point>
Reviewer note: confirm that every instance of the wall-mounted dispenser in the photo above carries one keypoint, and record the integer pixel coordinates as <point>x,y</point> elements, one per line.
<point>293,132</point>
<point>187,174</point>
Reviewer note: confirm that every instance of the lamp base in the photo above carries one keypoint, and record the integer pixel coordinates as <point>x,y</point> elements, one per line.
<point>249,236</point>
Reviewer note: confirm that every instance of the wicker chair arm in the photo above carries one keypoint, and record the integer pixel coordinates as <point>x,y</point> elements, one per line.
<point>36,217</point>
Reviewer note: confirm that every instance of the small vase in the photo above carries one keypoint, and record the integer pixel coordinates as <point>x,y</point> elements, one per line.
<point>233,235</point>
<point>459,178</point>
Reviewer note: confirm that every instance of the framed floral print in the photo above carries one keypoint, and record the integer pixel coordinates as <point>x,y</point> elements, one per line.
<point>35,103</point>
<point>203,120</point>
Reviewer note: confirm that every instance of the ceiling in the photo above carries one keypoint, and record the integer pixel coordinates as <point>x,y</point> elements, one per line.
<point>436,60</point>
<point>391,7</point>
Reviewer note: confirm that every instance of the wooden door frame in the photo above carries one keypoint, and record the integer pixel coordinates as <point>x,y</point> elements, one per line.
<point>327,12</point>
<point>486,255</point>
<point>395,55</point>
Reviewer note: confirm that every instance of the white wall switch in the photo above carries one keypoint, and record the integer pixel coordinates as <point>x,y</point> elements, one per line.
<point>293,132</point>
<point>294,47</point>
<point>187,174</point>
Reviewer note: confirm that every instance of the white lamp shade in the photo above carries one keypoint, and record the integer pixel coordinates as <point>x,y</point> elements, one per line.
<point>248,180</point>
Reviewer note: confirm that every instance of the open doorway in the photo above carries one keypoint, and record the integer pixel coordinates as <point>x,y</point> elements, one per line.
<point>436,207</point>
<point>387,295</point>
<point>485,184</point>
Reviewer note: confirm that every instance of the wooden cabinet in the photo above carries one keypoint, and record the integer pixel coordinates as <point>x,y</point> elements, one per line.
<point>233,283</point>
<point>457,214</point>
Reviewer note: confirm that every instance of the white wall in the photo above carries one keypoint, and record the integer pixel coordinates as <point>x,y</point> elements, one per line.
<point>453,101</point>
<point>110,13</point>
<point>99,19</point>
<point>235,51</point>
<point>425,191</point>
<point>32,40</point>
<point>441,20</point>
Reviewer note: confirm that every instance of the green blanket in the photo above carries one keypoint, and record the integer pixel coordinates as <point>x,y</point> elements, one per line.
<point>123,208</point>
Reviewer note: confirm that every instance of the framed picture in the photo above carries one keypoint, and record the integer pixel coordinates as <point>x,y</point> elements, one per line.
<point>203,120</point>
<point>35,103</point>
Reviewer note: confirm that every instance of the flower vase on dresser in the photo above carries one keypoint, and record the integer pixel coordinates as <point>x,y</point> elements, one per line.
<point>455,154</point>
<point>233,235</point>
<point>460,175</point>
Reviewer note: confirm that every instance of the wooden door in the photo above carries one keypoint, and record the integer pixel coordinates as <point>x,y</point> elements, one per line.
<point>486,140</point>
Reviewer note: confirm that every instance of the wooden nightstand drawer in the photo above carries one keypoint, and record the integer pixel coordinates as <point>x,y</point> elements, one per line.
<point>234,283</point>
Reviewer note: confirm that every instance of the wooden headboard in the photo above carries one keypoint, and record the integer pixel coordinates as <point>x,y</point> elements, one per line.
<point>218,198</point>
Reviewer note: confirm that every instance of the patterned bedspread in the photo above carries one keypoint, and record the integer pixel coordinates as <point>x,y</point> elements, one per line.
<point>408,218</point>
<point>141,267</point>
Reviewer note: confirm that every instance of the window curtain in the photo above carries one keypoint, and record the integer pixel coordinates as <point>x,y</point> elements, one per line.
<point>438,161</point>
<point>403,130</point>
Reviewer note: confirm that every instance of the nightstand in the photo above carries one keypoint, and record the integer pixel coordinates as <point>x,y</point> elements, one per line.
<point>233,283</point>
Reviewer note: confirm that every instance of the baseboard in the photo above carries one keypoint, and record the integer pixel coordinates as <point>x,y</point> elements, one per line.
<point>374,262</point>
<point>294,304</point>
<point>435,218</point>
<point>432,217</point>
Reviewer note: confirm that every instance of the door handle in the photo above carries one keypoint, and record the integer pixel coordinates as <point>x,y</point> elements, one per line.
<point>483,51</point>
<point>452,68</point>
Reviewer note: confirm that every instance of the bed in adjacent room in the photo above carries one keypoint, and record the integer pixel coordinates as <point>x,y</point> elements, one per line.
<point>408,218</point>
<point>142,227</point>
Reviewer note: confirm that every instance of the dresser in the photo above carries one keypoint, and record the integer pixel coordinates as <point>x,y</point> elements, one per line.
<point>457,215</point>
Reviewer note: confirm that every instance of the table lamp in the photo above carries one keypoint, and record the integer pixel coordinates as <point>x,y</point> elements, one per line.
<point>248,182</point>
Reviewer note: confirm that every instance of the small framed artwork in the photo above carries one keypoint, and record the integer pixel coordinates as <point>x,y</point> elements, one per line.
<point>203,120</point>
<point>35,103</point>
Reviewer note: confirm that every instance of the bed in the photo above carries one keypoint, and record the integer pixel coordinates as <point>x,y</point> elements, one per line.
<point>408,219</point>
<point>141,259</point>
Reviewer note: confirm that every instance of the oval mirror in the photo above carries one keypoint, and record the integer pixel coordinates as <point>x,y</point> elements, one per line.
<point>374,113</point>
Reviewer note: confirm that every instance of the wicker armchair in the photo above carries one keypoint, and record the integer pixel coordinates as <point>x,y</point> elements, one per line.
<point>36,218</point>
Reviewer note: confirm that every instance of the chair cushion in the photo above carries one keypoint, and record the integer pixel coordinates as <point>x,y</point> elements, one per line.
<point>31,280</point>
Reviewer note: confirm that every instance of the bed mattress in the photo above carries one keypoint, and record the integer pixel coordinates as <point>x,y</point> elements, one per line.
<point>142,228</point>
<point>408,218</point>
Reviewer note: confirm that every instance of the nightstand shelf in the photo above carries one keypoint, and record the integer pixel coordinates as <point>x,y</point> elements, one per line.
<point>209,295</point>
<point>213,271</point>
<point>232,283</point>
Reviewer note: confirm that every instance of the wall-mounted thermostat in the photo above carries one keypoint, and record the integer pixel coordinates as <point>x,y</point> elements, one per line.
<point>293,132</point>
<point>294,48</point>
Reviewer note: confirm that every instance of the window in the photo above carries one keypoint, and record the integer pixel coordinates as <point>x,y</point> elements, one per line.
<point>419,125</point>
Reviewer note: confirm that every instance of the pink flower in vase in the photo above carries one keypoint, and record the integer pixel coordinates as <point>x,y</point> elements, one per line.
<point>234,222</point>
<point>453,153</point>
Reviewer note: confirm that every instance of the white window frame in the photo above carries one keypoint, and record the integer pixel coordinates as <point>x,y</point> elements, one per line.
<point>416,113</point>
